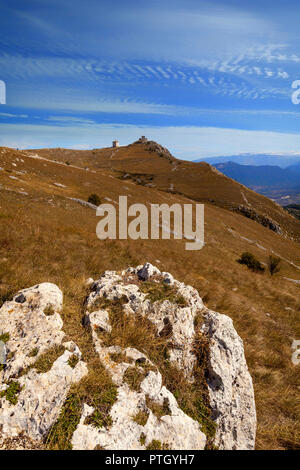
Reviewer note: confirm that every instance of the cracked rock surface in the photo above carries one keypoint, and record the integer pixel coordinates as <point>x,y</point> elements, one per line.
<point>229,382</point>
<point>30,402</point>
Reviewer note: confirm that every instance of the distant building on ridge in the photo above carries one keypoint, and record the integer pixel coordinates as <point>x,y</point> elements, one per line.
<point>116,143</point>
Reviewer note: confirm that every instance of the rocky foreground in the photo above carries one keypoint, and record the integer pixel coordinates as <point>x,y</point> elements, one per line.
<point>43,365</point>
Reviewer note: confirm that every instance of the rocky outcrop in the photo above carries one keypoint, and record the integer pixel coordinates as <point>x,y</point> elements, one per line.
<point>31,399</point>
<point>229,382</point>
<point>154,147</point>
<point>145,412</point>
<point>230,385</point>
<point>260,218</point>
<point>174,429</point>
<point>178,319</point>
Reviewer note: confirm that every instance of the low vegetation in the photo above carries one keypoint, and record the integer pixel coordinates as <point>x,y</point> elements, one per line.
<point>141,417</point>
<point>45,361</point>
<point>273,264</point>
<point>94,199</point>
<point>96,390</point>
<point>60,435</point>
<point>251,262</point>
<point>161,291</point>
<point>49,310</point>
<point>34,352</point>
<point>157,409</point>
<point>120,357</point>
<point>73,361</point>
<point>12,392</point>
<point>4,337</point>
<point>157,445</point>
<point>134,376</point>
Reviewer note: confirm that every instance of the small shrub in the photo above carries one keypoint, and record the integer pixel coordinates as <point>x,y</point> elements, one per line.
<point>94,199</point>
<point>45,361</point>
<point>157,409</point>
<point>142,439</point>
<point>141,417</point>
<point>49,310</point>
<point>4,337</point>
<point>157,445</point>
<point>73,361</point>
<point>7,295</point>
<point>160,291</point>
<point>134,377</point>
<point>98,419</point>
<point>251,262</point>
<point>120,357</point>
<point>33,352</point>
<point>102,404</point>
<point>12,392</point>
<point>273,264</point>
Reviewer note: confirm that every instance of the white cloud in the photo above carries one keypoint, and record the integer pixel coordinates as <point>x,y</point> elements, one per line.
<point>185,142</point>
<point>9,115</point>
<point>70,119</point>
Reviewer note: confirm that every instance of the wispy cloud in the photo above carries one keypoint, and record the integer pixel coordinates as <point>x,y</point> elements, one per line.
<point>10,115</point>
<point>166,61</point>
<point>70,119</point>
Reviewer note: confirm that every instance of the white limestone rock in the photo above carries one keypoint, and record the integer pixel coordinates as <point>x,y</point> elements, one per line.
<point>34,326</point>
<point>166,315</point>
<point>175,430</point>
<point>230,385</point>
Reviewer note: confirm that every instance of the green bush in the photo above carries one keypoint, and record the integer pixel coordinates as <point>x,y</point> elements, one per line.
<point>251,262</point>
<point>94,199</point>
<point>273,264</point>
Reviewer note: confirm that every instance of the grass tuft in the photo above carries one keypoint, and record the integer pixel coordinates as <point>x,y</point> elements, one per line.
<point>12,392</point>
<point>4,337</point>
<point>157,409</point>
<point>73,361</point>
<point>141,417</point>
<point>160,291</point>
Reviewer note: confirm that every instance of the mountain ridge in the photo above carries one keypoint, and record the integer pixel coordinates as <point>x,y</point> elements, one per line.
<point>255,159</point>
<point>280,184</point>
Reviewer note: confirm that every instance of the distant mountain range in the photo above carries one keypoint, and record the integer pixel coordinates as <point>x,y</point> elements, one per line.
<point>266,175</point>
<point>282,161</point>
<point>275,182</point>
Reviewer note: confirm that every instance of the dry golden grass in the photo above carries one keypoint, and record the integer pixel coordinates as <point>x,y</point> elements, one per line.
<point>46,237</point>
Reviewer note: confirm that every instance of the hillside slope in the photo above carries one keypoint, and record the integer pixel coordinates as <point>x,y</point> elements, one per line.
<point>149,164</point>
<point>48,237</point>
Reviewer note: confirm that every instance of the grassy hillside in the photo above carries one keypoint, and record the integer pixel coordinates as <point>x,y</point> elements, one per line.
<point>151,166</point>
<point>46,236</point>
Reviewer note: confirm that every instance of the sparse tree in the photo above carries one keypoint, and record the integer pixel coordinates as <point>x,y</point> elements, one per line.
<point>273,264</point>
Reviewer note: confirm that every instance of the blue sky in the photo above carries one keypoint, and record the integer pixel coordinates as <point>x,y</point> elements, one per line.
<point>203,78</point>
